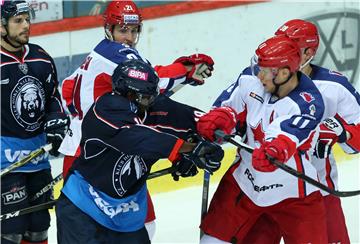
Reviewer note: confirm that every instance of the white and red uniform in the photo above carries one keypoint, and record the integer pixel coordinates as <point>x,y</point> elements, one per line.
<point>244,193</point>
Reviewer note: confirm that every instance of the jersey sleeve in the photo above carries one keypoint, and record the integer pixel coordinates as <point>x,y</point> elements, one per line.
<point>172,77</point>
<point>53,103</point>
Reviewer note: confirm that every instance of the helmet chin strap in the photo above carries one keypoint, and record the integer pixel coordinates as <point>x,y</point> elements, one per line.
<point>277,86</point>
<point>306,63</point>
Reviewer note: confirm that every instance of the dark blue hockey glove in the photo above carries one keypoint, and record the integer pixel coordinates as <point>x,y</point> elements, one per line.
<point>184,168</point>
<point>55,126</point>
<point>206,155</point>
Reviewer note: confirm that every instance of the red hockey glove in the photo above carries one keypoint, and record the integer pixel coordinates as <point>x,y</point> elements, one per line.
<point>281,149</point>
<point>331,131</point>
<point>202,67</point>
<point>354,131</point>
<point>223,118</point>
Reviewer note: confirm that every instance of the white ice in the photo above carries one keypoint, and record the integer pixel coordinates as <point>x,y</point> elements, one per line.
<point>178,212</point>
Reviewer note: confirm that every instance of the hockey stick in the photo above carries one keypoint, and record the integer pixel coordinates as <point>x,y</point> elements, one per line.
<point>26,159</point>
<point>288,169</point>
<point>48,187</point>
<point>28,210</point>
<point>51,203</point>
<point>205,198</point>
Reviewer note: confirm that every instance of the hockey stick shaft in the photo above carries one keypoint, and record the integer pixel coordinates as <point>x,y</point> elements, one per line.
<point>28,210</point>
<point>26,159</point>
<point>290,170</point>
<point>205,198</point>
<point>48,187</point>
<point>51,203</point>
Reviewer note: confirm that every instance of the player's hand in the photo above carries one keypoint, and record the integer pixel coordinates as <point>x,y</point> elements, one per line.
<point>281,149</point>
<point>200,67</point>
<point>206,155</point>
<point>184,168</point>
<point>331,131</point>
<point>55,126</point>
<point>222,118</point>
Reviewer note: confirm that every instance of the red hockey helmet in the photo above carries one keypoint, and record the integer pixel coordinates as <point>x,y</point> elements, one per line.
<point>278,52</point>
<point>304,33</point>
<point>122,13</point>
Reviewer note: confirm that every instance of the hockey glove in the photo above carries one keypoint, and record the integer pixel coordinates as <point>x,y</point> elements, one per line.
<point>331,131</point>
<point>184,168</point>
<point>201,65</point>
<point>223,118</point>
<point>206,155</point>
<point>55,126</point>
<point>281,149</point>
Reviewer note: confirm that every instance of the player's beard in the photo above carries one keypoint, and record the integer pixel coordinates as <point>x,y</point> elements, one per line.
<point>20,39</point>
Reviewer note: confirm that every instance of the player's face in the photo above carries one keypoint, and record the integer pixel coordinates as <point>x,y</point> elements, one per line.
<point>266,76</point>
<point>19,29</point>
<point>127,34</point>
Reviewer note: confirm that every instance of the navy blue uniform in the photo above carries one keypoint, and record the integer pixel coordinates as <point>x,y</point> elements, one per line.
<point>118,148</point>
<point>28,92</point>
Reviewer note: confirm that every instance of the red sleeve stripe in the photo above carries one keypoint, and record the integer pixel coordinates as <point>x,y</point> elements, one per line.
<point>175,151</point>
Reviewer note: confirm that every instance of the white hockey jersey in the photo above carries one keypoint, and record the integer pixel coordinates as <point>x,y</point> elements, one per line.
<point>93,78</point>
<point>295,116</point>
<point>341,99</point>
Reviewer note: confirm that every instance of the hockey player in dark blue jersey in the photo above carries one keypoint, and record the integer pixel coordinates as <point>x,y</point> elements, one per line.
<point>104,197</point>
<point>31,115</point>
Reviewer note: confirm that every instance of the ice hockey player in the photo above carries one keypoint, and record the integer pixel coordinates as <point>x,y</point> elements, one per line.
<point>122,25</point>
<point>31,115</point>
<point>104,198</point>
<point>341,123</point>
<point>279,111</point>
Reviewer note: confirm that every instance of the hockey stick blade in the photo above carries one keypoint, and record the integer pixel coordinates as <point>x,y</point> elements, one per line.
<point>26,159</point>
<point>290,170</point>
<point>28,210</point>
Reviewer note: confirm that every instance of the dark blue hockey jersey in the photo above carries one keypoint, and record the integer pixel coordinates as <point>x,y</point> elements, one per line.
<point>118,149</point>
<point>28,91</point>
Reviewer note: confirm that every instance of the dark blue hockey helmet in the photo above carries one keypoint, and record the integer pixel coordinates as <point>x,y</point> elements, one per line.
<point>138,77</point>
<point>11,8</point>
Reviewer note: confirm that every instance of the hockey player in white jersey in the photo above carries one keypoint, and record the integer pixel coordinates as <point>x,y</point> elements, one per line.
<point>122,25</point>
<point>341,124</point>
<point>280,110</point>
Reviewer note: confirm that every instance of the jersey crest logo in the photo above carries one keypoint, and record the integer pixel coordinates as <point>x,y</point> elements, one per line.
<point>127,170</point>
<point>24,68</point>
<point>308,97</point>
<point>27,102</point>
<point>258,132</point>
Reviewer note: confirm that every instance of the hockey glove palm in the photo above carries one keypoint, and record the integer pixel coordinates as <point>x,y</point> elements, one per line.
<point>206,155</point>
<point>201,65</point>
<point>222,118</point>
<point>331,131</point>
<point>55,127</point>
<point>281,149</point>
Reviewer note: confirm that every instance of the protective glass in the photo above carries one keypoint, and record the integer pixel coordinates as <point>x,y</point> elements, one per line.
<point>267,73</point>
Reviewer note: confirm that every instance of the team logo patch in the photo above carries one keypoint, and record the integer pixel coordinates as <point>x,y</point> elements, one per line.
<point>339,35</point>
<point>127,170</point>
<point>27,102</point>
<point>308,97</point>
<point>312,109</point>
<point>257,97</point>
<point>138,74</point>
<point>24,68</point>
<point>15,195</point>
